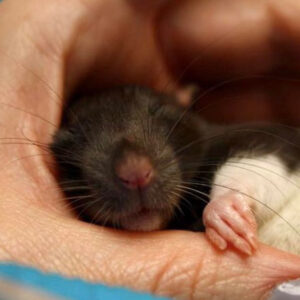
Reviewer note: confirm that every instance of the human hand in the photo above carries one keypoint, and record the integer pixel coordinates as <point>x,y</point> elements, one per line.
<point>46,50</point>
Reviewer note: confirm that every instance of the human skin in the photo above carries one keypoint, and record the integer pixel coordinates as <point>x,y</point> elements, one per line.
<point>48,47</point>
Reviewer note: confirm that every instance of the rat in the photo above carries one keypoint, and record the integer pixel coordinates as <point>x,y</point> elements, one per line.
<point>131,158</point>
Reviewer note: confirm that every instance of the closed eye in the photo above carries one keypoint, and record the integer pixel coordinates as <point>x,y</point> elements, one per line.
<point>154,109</point>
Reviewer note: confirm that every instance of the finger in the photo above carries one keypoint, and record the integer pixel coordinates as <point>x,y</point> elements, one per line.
<point>215,238</point>
<point>164,263</point>
<point>140,62</point>
<point>202,40</point>
<point>236,38</point>
<point>236,102</point>
<point>244,78</point>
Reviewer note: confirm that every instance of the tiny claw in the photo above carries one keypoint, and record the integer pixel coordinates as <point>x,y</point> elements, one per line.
<point>244,247</point>
<point>252,240</point>
<point>248,251</point>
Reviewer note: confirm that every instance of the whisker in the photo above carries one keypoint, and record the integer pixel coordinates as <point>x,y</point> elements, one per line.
<point>29,113</point>
<point>211,138</point>
<point>71,201</point>
<point>62,182</point>
<point>191,192</point>
<point>19,64</point>
<point>99,212</point>
<point>75,188</point>
<point>177,205</point>
<point>235,164</point>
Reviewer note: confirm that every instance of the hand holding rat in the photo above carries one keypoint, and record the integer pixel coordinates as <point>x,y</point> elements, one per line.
<point>43,49</point>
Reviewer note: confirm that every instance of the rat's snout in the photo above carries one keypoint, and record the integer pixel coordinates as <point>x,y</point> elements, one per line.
<point>134,170</point>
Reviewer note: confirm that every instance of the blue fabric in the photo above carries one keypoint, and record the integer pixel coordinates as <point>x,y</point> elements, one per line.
<point>73,289</point>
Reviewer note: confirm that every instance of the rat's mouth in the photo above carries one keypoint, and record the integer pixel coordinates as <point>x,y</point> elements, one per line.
<point>143,220</point>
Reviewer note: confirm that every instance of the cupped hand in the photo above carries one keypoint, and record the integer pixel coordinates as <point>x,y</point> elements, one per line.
<point>48,48</point>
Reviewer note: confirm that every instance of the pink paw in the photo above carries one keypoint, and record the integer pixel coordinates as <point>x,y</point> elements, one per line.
<point>229,220</point>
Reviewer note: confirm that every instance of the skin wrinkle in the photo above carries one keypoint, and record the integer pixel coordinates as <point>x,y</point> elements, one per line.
<point>137,272</point>
<point>115,270</point>
<point>162,272</point>
<point>187,274</point>
<point>46,253</point>
<point>39,179</point>
<point>12,242</point>
<point>155,265</point>
<point>273,275</point>
<point>222,280</point>
<point>5,250</point>
<point>23,228</point>
<point>87,266</point>
<point>113,274</point>
<point>76,264</point>
<point>213,279</point>
<point>195,280</point>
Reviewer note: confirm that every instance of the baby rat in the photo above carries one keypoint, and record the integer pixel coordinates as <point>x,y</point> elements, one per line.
<point>131,158</point>
<point>123,168</point>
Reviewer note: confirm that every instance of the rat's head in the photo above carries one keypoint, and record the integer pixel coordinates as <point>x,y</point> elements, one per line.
<point>123,156</point>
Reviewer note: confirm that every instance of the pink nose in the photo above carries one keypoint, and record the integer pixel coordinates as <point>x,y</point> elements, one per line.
<point>135,171</point>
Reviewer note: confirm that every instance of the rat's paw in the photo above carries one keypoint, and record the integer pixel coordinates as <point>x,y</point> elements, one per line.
<point>229,219</point>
